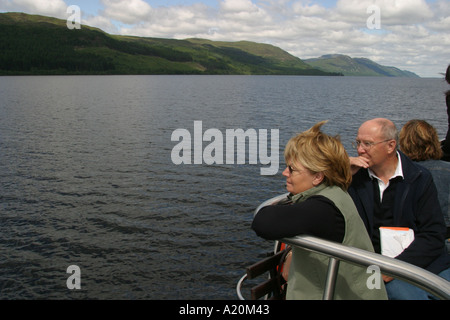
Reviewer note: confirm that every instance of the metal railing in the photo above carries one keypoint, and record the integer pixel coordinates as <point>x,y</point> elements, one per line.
<point>435,285</point>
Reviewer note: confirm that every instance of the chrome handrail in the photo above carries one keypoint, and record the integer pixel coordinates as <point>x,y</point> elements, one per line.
<point>437,286</point>
<point>398,269</point>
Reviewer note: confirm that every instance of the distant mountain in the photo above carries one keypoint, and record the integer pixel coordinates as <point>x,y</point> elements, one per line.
<point>32,44</point>
<point>356,66</point>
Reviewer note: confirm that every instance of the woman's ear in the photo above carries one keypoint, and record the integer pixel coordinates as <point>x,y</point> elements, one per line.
<point>318,178</point>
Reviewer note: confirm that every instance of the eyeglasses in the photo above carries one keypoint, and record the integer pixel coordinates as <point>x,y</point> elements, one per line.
<point>292,170</point>
<point>366,145</point>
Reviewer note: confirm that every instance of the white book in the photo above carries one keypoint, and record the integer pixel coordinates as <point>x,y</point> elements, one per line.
<point>394,240</point>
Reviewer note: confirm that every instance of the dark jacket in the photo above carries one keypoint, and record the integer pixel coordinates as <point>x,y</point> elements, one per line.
<point>416,206</point>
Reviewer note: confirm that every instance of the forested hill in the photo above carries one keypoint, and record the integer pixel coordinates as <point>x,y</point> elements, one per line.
<point>32,44</point>
<point>357,67</point>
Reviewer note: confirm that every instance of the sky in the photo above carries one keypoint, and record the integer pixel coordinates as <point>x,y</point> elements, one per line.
<point>411,35</point>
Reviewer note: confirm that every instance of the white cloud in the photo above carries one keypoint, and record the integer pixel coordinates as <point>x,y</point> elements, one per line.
<point>54,8</point>
<point>392,11</point>
<point>442,25</point>
<point>308,10</point>
<point>127,11</point>
<point>175,22</point>
<point>100,22</point>
<point>236,6</point>
<point>243,12</point>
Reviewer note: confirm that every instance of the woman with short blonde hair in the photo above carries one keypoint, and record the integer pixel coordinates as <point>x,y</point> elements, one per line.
<point>319,152</point>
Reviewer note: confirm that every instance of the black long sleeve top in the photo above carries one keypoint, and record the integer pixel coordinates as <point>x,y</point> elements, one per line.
<point>317,216</point>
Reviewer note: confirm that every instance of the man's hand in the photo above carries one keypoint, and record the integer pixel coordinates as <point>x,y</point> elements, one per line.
<point>357,163</point>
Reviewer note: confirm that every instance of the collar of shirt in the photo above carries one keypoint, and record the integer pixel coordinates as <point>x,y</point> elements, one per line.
<point>398,173</point>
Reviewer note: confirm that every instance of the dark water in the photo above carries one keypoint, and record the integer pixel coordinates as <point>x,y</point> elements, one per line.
<point>87,178</point>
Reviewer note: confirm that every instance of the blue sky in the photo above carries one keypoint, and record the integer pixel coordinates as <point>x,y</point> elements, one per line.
<point>92,7</point>
<point>410,34</point>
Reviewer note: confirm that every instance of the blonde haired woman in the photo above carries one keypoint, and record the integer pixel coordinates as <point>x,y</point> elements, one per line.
<point>317,177</point>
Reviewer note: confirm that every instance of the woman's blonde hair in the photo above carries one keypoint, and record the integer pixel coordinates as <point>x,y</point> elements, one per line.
<point>419,140</point>
<point>319,152</point>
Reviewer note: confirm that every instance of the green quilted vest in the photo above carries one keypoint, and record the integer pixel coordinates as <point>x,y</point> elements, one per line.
<point>308,270</point>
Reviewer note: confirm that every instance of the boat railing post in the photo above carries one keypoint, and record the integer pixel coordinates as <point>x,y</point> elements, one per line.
<point>421,278</point>
<point>330,284</point>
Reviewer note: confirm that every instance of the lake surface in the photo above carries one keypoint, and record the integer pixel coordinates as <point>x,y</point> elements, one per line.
<point>87,176</point>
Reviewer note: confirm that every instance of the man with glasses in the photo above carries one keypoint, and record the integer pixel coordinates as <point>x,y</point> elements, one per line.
<point>390,190</point>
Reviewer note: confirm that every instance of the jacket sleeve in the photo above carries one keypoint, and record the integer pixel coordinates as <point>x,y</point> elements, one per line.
<point>317,216</point>
<point>428,225</point>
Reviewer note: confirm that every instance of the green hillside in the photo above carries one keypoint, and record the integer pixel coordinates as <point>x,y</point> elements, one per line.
<point>356,66</point>
<point>32,44</point>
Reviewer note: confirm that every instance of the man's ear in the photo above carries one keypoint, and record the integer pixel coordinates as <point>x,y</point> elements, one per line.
<point>392,145</point>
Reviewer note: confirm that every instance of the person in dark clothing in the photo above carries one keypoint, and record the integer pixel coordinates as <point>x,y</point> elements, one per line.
<point>446,142</point>
<point>419,140</point>
<point>391,190</point>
